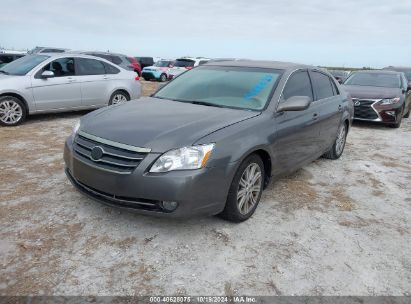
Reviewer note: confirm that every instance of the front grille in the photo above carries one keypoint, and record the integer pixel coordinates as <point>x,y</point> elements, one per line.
<point>113,158</point>
<point>364,110</point>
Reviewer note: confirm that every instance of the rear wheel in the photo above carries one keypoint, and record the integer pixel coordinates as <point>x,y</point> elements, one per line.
<point>118,97</point>
<point>339,144</point>
<point>245,190</point>
<point>12,111</point>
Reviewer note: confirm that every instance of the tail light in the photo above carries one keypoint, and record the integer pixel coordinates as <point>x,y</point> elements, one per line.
<point>137,78</point>
<point>188,67</point>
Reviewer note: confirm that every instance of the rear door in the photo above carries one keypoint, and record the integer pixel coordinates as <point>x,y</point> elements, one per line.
<point>59,92</point>
<point>329,103</point>
<point>297,133</point>
<point>93,80</point>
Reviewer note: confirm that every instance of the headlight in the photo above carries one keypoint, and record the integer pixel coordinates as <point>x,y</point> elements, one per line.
<point>187,158</point>
<point>76,127</point>
<point>390,101</point>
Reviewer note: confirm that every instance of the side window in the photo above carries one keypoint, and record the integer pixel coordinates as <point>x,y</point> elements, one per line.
<point>90,67</point>
<point>322,85</point>
<point>110,69</point>
<point>298,84</point>
<point>61,67</point>
<point>117,60</point>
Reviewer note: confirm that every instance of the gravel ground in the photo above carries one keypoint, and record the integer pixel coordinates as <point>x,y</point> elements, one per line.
<point>332,228</point>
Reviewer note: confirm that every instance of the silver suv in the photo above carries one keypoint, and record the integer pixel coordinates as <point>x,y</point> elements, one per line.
<point>43,83</point>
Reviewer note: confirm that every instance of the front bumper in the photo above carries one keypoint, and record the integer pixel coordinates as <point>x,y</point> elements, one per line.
<point>197,192</point>
<point>370,110</point>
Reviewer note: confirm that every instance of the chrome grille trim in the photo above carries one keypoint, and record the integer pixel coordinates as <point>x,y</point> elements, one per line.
<point>113,143</point>
<point>113,158</point>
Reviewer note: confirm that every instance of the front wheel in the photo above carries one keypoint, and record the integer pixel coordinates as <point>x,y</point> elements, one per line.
<point>163,78</point>
<point>118,97</point>
<point>12,111</point>
<point>245,190</point>
<point>339,144</point>
<point>398,123</point>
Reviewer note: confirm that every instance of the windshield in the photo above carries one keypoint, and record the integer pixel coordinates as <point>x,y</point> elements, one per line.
<point>231,87</point>
<point>23,65</point>
<point>162,63</point>
<point>184,63</point>
<point>375,80</point>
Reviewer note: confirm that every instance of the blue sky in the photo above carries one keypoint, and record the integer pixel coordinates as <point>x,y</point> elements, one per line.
<point>334,33</point>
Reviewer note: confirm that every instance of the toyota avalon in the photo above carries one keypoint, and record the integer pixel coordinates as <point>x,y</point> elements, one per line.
<point>209,141</point>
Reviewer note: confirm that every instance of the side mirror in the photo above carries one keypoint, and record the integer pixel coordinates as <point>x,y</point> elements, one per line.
<point>47,74</point>
<point>295,103</point>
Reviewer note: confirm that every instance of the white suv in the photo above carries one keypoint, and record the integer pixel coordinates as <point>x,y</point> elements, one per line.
<point>184,64</point>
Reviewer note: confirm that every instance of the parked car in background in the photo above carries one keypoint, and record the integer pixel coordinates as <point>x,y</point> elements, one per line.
<point>159,71</point>
<point>405,70</point>
<point>379,96</point>
<point>43,49</point>
<point>42,83</point>
<point>209,141</point>
<point>184,64</point>
<point>340,75</point>
<point>124,61</point>
<point>6,58</point>
<point>145,61</point>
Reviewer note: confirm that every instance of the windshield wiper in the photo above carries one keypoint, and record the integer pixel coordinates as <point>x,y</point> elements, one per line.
<point>205,103</point>
<point>4,72</point>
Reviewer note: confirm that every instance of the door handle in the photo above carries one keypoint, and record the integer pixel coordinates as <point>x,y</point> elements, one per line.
<point>339,107</point>
<point>315,116</point>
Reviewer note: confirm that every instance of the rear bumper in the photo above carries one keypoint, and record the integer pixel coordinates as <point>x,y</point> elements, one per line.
<point>197,192</point>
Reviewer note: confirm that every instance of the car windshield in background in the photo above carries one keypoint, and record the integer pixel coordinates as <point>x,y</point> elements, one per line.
<point>231,87</point>
<point>23,65</point>
<point>162,64</point>
<point>374,80</point>
<point>184,63</point>
<point>408,75</point>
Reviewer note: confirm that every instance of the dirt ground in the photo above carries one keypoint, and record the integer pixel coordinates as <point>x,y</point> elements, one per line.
<point>332,228</point>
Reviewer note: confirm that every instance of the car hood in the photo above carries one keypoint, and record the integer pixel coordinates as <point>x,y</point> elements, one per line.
<point>160,124</point>
<point>372,92</point>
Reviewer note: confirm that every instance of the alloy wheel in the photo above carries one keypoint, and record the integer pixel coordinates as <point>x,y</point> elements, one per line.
<point>118,99</point>
<point>249,188</point>
<point>340,143</point>
<point>10,112</point>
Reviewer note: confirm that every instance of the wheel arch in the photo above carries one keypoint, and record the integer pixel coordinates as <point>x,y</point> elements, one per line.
<point>19,96</point>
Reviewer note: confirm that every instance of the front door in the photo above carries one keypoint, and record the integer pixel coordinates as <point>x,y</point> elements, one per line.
<point>297,137</point>
<point>59,92</point>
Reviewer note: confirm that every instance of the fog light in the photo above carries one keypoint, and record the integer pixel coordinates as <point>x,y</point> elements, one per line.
<point>391,113</point>
<point>170,206</point>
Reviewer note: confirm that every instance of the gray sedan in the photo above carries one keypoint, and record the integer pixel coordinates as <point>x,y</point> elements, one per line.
<point>42,83</point>
<point>210,141</point>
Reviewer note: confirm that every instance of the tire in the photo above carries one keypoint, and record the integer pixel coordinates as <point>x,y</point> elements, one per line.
<point>118,97</point>
<point>12,111</point>
<point>339,144</point>
<point>240,208</point>
<point>398,123</point>
<point>146,79</point>
<point>163,78</point>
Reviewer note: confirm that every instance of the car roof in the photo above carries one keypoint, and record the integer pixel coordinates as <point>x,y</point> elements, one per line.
<point>260,64</point>
<point>378,72</point>
<point>396,68</point>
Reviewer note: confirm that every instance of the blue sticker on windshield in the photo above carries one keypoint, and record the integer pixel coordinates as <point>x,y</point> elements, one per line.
<point>258,87</point>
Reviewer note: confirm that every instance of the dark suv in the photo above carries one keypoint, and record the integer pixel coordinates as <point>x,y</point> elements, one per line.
<point>6,58</point>
<point>126,62</point>
<point>380,96</point>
